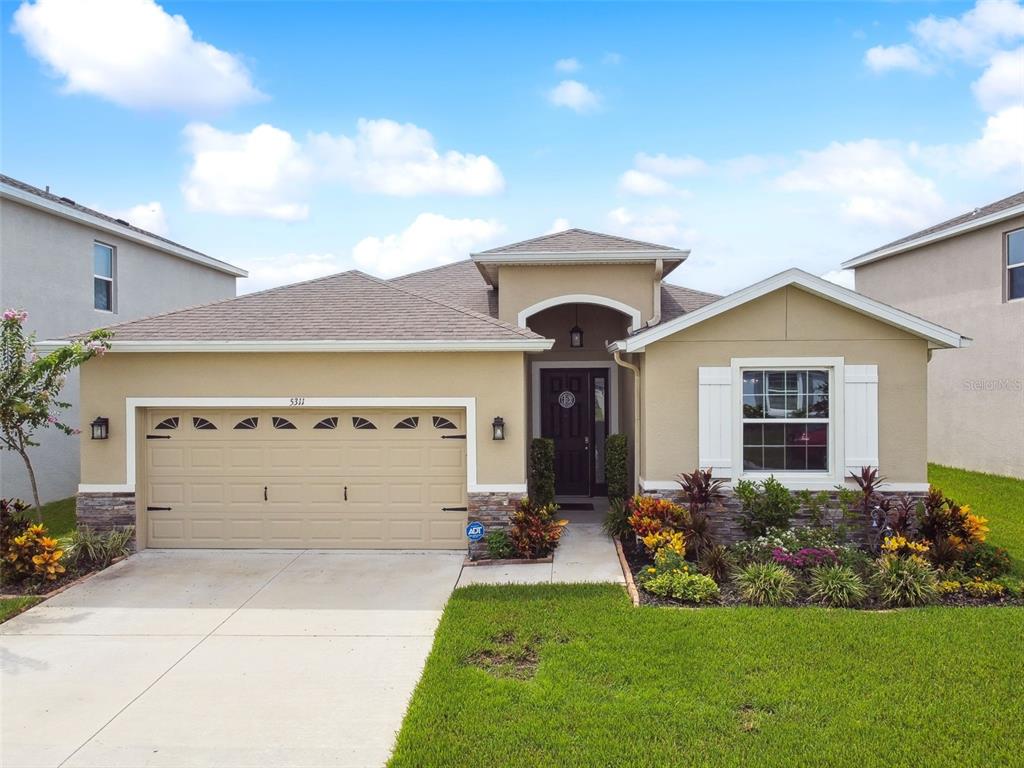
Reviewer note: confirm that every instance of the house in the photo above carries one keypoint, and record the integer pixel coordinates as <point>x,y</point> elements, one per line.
<point>355,412</point>
<point>967,273</point>
<point>74,269</point>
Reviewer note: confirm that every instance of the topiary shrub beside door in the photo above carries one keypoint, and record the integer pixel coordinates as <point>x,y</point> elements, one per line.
<point>616,467</point>
<point>542,471</point>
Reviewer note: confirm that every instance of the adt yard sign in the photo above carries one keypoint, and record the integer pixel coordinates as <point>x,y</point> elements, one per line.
<point>475,531</point>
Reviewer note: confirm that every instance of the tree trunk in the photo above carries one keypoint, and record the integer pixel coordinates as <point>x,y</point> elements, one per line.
<point>35,488</point>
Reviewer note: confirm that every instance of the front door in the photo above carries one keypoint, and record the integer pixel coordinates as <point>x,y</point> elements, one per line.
<point>573,403</point>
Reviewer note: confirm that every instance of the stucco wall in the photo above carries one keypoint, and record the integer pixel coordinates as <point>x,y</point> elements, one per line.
<point>494,379</point>
<point>46,269</point>
<point>786,323</point>
<point>520,287</point>
<point>975,395</point>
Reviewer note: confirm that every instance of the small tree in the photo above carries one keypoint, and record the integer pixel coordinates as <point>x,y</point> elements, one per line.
<point>30,385</point>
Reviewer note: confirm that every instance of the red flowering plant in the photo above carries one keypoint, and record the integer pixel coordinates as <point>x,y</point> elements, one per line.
<point>808,557</point>
<point>658,522</point>
<point>535,531</point>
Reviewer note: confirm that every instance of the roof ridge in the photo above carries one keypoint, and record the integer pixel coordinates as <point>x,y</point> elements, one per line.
<point>429,269</point>
<point>646,245</point>
<point>525,332</point>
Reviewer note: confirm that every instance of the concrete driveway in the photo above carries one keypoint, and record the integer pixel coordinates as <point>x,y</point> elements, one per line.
<point>224,659</point>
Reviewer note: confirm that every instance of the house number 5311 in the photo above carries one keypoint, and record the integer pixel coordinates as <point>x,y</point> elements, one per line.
<point>296,401</point>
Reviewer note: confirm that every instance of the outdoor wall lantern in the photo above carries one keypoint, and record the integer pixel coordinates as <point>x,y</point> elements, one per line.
<point>498,428</point>
<point>100,428</point>
<point>576,333</point>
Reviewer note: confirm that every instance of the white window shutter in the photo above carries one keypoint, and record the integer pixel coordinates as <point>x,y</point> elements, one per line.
<point>860,422</point>
<point>715,419</point>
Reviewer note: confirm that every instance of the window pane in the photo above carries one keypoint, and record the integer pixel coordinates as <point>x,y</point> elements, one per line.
<point>1015,247</point>
<point>1015,283</point>
<point>752,459</point>
<point>753,382</point>
<point>774,458</point>
<point>817,459</point>
<point>600,427</point>
<point>102,260</point>
<point>752,434</point>
<point>817,382</point>
<point>817,406</point>
<point>796,458</point>
<point>102,294</point>
<point>753,406</point>
<point>774,434</point>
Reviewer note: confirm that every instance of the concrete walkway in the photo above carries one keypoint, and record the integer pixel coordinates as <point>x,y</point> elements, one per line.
<point>222,658</point>
<point>585,554</point>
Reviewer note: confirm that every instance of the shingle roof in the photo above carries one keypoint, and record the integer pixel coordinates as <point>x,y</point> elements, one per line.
<point>350,306</point>
<point>72,205</point>
<point>576,240</point>
<point>977,213</point>
<point>677,300</point>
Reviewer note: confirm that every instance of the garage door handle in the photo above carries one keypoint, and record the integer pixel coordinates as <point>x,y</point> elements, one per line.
<point>346,493</point>
<point>265,493</point>
<point>455,509</point>
<point>158,437</point>
<point>453,437</point>
<point>158,509</point>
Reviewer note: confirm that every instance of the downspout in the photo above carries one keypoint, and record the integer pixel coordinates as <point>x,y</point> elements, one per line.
<point>636,416</point>
<point>659,272</point>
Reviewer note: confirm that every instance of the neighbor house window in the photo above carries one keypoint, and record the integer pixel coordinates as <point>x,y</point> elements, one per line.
<point>1015,265</point>
<point>103,277</point>
<point>786,420</point>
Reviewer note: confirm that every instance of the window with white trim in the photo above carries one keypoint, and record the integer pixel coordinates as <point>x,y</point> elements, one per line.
<point>786,420</point>
<point>103,277</point>
<point>1015,265</point>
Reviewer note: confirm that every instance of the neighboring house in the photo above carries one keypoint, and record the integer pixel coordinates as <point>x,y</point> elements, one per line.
<point>352,412</point>
<point>967,273</point>
<point>74,269</point>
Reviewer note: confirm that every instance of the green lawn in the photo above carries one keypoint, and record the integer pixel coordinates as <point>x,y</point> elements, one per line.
<point>12,606</point>
<point>59,516</point>
<point>617,686</point>
<point>1000,499</point>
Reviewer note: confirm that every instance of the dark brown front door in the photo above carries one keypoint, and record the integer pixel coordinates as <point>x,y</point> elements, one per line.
<point>569,417</point>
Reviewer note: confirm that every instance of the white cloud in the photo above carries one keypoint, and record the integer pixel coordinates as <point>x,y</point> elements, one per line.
<point>883,58</point>
<point>667,165</point>
<point>843,277</point>
<point>260,173</point>
<point>266,172</point>
<point>401,159</point>
<point>660,225</point>
<point>133,53</point>
<point>568,65</point>
<point>1002,84</point>
<point>871,179</point>
<point>640,183</point>
<point>558,225</point>
<point>147,216</point>
<point>290,268</point>
<point>431,240</point>
<point>999,149</point>
<point>574,95</point>
<point>977,34</point>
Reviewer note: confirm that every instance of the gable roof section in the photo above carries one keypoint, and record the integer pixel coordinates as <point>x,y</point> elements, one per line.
<point>993,213</point>
<point>13,189</point>
<point>347,311</point>
<point>936,335</point>
<point>577,241</point>
<point>459,283</point>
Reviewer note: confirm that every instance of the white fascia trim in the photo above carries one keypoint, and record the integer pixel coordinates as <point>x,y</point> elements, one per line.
<point>535,257</point>
<point>635,317</point>
<point>934,237</point>
<point>937,336</point>
<point>795,485</point>
<point>132,404</point>
<point>506,345</point>
<point>108,488</point>
<point>613,390</point>
<point>73,214</point>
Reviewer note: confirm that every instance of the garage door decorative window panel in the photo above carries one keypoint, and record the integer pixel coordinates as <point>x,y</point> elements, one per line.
<point>313,484</point>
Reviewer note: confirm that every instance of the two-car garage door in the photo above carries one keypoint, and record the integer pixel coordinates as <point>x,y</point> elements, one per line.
<point>305,478</point>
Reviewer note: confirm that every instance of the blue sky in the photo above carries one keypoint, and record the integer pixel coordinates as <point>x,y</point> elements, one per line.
<point>297,139</point>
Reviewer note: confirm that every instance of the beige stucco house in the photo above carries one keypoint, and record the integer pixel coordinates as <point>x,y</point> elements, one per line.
<point>967,273</point>
<point>73,268</point>
<point>353,412</point>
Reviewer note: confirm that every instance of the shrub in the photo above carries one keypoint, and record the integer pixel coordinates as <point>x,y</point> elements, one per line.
<point>766,584</point>
<point>837,586</point>
<point>762,548</point>
<point>13,522</point>
<point>33,554</point>
<point>815,504</point>
<point>499,545</point>
<point>87,548</point>
<point>1012,587</point>
<point>666,538</point>
<point>987,561</point>
<point>542,471</point>
<point>717,562</point>
<point>904,547</point>
<point>684,586</point>
<point>984,590</point>
<point>807,557</point>
<point>648,515</point>
<point>942,520</point>
<point>948,587</point>
<point>765,505</point>
<point>616,466</point>
<point>905,581</point>
<point>616,522</point>
<point>535,532</point>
